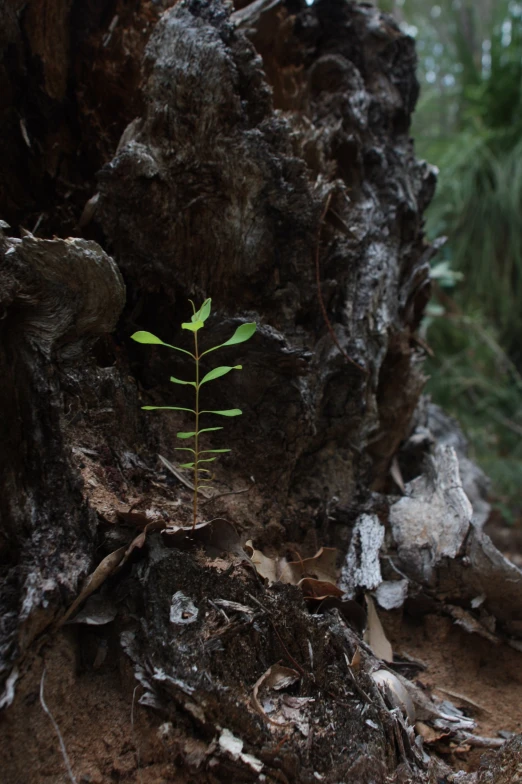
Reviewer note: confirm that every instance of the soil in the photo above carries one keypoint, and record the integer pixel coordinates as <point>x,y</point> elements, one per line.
<point>107,737</point>
<point>484,680</point>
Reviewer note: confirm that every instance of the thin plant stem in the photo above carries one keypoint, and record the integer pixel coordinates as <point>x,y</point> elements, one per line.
<point>196,444</point>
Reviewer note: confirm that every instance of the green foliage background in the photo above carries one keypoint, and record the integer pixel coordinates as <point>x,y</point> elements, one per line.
<point>469,124</point>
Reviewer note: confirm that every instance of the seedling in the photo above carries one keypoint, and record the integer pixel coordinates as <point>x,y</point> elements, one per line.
<point>197,322</point>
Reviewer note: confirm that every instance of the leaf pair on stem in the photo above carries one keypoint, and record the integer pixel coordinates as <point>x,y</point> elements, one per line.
<point>243,332</point>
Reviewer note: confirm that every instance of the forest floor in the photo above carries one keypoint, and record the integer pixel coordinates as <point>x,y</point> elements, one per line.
<point>93,698</point>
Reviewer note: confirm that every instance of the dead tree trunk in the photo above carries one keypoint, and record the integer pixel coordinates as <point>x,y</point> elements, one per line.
<point>265,161</point>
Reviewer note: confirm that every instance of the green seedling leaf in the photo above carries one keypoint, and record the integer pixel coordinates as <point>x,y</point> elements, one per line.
<point>196,459</point>
<point>230,412</point>
<point>167,408</point>
<point>192,326</point>
<point>149,339</point>
<point>180,381</point>
<point>203,313</point>
<point>218,372</point>
<point>242,333</point>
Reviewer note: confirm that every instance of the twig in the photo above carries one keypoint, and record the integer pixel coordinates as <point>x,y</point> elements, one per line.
<point>320,295</point>
<point>57,730</point>
<point>220,495</point>
<point>180,476</point>
<point>481,742</point>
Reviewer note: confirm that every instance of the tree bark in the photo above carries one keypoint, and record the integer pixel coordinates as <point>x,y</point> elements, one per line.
<point>264,161</point>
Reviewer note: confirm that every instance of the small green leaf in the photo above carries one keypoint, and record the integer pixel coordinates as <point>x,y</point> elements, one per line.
<point>185,435</point>
<point>192,326</point>
<point>150,339</point>
<point>242,333</point>
<point>207,460</point>
<point>203,313</point>
<point>208,429</point>
<point>167,408</point>
<point>184,449</point>
<point>179,381</point>
<point>204,451</point>
<point>230,412</point>
<point>186,465</point>
<point>218,372</point>
<point>205,487</point>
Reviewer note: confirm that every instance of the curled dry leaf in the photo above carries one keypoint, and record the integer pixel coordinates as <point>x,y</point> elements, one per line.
<point>269,568</point>
<point>321,567</point>
<point>104,569</point>
<point>374,634</point>
<point>276,677</point>
<point>318,589</point>
<point>110,564</point>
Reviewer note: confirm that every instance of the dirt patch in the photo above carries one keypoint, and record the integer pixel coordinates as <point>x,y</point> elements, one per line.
<point>107,737</point>
<point>483,679</point>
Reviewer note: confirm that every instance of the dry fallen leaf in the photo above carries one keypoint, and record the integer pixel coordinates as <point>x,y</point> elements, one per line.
<point>320,567</point>
<point>104,569</point>
<point>318,589</point>
<point>269,568</point>
<point>276,677</point>
<point>429,734</point>
<point>110,564</point>
<point>374,634</point>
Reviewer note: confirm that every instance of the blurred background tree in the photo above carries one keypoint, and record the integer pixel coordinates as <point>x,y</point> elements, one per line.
<point>469,124</point>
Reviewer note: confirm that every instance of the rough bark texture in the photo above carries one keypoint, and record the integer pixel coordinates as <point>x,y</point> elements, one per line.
<point>263,148</point>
